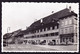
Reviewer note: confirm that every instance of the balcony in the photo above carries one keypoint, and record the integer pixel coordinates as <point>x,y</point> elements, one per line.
<point>43,32</point>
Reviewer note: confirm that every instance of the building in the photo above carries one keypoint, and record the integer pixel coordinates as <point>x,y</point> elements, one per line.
<point>57,28</point>
<point>15,37</point>
<point>6,39</point>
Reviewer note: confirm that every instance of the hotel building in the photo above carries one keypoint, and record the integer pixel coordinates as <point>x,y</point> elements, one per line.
<point>57,28</point>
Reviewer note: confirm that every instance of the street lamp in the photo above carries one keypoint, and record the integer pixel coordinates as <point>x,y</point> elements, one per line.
<point>8,29</point>
<point>7,33</point>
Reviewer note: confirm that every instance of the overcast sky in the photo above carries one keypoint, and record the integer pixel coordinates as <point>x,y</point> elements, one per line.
<point>17,15</point>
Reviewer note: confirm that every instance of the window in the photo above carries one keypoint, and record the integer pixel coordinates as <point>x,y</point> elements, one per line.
<point>26,37</point>
<point>66,31</point>
<point>50,28</point>
<point>44,29</point>
<point>52,34</point>
<point>37,35</point>
<point>42,35</point>
<point>70,21</point>
<point>46,34</point>
<point>75,29</point>
<point>37,30</point>
<point>75,20</point>
<point>66,22</point>
<point>40,30</point>
<point>62,23</point>
<point>34,31</point>
<point>49,34</point>
<point>61,31</point>
<point>70,39</point>
<point>70,29</point>
<point>53,27</point>
<point>57,26</point>
<point>56,33</point>
<point>63,39</point>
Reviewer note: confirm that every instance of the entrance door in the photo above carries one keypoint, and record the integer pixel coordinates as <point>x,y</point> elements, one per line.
<point>66,41</point>
<point>54,42</point>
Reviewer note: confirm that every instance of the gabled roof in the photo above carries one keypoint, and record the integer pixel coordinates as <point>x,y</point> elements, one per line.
<point>7,35</point>
<point>56,16</point>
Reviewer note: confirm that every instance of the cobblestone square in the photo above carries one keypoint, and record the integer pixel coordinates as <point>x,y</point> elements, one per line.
<point>23,47</point>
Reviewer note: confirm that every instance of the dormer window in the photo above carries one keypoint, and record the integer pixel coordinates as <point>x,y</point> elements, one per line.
<point>41,20</point>
<point>52,20</point>
<point>69,8</point>
<point>55,27</point>
<point>75,18</point>
<point>58,22</point>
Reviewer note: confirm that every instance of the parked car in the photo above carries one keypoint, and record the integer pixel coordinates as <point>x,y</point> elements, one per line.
<point>33,42</point>
<point>43,42</point>
<point>51,43</point>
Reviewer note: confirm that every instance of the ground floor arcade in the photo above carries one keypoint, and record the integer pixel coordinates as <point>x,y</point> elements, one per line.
<point>53,40</point>
<point>43,40</point>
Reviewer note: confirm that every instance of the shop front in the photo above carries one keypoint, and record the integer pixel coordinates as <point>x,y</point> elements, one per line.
<point>66,39</point>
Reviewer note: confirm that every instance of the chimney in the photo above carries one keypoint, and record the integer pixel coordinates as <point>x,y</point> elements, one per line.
<point>69,8</point>
<point>52,11</point>
<point>66,6</point>
<point>35,20</point>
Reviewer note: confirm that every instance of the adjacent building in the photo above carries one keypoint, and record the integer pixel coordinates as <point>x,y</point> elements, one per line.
<point>15,37</point>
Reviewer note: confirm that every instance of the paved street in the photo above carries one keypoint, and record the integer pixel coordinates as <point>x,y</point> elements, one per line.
<point>23,47</point>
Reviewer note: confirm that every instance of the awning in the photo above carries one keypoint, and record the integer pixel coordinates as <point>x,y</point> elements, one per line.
<point>67,34</point>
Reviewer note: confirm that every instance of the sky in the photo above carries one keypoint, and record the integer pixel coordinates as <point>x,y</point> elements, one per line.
<point>19,15</point>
